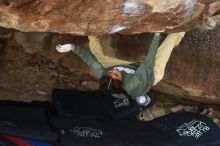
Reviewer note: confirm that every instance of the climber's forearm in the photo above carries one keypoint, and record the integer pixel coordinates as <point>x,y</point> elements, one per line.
<point>89,59</point>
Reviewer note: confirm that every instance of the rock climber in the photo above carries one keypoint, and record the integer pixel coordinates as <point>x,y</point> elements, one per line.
<point>124,79</point>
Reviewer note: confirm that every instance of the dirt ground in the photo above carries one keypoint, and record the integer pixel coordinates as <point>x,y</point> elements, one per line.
<point>27,77</point>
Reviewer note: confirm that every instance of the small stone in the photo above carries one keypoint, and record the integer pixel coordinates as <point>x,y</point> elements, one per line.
<point>177,108</point>
<point>63,132</point>
<point>216,120</point>
<point>91,85</point>
<point>210,114</point>
<point>41,92</point>
<point>211,110</point>
<point>204,112</point>
<point>154,111</point>
<point>188,108</point>
<point>146,115</point>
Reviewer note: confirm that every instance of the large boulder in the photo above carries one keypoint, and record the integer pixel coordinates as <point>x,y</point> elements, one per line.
<point>104,17</point>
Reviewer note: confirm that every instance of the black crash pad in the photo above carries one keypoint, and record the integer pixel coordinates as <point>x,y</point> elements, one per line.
<point>108,132</point>
<point>25,120</point>
<point>70,103</point>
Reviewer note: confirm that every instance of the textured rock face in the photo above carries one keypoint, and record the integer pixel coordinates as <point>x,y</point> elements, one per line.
<point>194,68</point>
<point>104,16</point>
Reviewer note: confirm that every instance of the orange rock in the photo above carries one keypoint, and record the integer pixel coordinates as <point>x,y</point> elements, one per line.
<point>102,17</point>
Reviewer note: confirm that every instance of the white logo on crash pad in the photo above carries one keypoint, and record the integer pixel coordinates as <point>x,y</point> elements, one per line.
<point>195,128</point>
<point>118,103</point>
<point>87,132</point>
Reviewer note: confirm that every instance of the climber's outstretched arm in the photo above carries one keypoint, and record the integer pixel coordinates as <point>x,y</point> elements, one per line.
<point>86,56</point>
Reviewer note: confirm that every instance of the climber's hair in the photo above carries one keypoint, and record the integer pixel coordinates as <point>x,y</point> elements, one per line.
<point>110,86</point>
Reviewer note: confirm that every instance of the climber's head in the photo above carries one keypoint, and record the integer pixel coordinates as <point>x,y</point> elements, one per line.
<point>111,82</point>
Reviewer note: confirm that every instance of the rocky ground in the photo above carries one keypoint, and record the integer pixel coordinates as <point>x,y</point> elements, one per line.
<point>165,104</point>
<point>28,72</point>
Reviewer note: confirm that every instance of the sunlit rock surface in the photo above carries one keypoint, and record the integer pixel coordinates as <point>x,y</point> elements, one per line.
<point>104,17</point>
